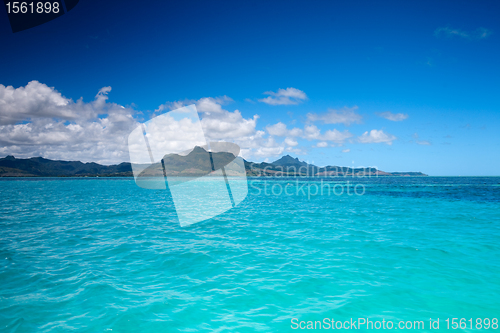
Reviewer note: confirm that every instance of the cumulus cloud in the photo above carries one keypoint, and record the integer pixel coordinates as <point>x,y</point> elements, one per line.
<point>222,125</point>
<point>288,96</point>
<point>297,151</point>
<point>346,116</point>
<point>291,142</point>
<point>336,136</point>
<point>218,123</point>
<point>479,33</point>
<point>346,150</point>
<point>310,132</point>
<point>37,100</point>
<point>36,120</point>
<point>267,148</point>
<point>205,104</point>
<point>278,129</point>
<point>393,116</point>
<point>259,146</point>
<point>295,132</point>
<point>228,125</point>
<point>376,136</point>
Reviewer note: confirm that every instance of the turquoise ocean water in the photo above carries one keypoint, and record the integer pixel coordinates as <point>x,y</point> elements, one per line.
<point>103,255</point>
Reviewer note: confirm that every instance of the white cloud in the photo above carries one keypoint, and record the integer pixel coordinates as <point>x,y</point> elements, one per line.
<point>310,132</point>
<point>295,132</point>
<point>345,116</point>
<point>288,96</point>
<point>393,116</point>
<point>291,142</point>
<point>376,136</point>
<point>205,105</point>
<point>210,105</point>
<point>336,136</point>
<point>222,125</point>
<point>36,120</point>
<point>228,125</point>
<point>479,33</point>
<point>278,129</point>
<point>259,146</point>
<point>218,123</point>
<point>297,151</point>
<point>346,150</point>
<point>37,100</point>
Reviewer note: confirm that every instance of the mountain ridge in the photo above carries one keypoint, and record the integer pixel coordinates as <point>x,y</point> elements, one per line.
<point>284,166</point>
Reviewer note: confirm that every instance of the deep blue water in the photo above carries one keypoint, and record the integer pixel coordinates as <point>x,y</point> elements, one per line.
<point>102,255</point>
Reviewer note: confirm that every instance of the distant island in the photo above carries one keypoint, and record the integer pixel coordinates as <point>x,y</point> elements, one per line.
<point>189,165</point>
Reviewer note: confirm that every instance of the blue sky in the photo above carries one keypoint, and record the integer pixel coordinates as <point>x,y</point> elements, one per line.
<point>434,64</point>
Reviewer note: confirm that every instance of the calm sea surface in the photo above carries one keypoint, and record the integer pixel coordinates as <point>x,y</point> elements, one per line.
<point>101,255</point>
